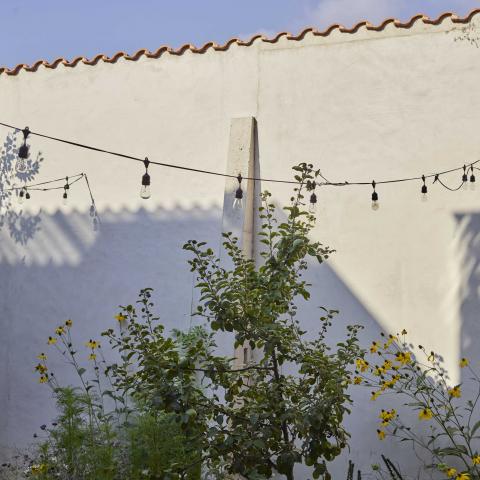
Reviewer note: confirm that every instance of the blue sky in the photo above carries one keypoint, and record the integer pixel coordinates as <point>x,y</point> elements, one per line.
<point>37,29</point>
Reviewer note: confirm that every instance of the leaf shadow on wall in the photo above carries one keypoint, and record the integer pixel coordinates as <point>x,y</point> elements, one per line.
<point>21,228</point>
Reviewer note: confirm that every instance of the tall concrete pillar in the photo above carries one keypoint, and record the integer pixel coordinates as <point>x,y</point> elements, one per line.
<point>241,160</point>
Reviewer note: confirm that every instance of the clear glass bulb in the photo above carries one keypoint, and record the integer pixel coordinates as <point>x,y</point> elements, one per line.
<point>96,224</point>
<point>312,208</point>
<point>375,205</point>
<point>65,199</point>
<point>465,186</point>
<point>238,203</point>
<point>424,197</point>
<point>472,186</point>
<point>145,192</point>
<point>21,197</point>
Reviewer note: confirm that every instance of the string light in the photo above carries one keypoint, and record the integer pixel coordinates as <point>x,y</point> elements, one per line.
<point>375,204</point>
<point>145,190</point>
<point>424,190</point>
<point>464,178</point>
<point>312,207</point>
<point>65,191</point>
<point>27,194</point>
<point>21,165</point>
<point>21,196</point>
<point>238,200</point>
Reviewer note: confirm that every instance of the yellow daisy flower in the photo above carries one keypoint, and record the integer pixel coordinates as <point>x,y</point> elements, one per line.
<point>455,392</point>
<point>41,368</point>
<point>451,472</point>
<point>120,318</point>
<point>92,344</point>
<point>464,363</point>
<point>42,356</point>
<point>403,357</point>
<point>381,434</point>
<point>463,476</point>
<point>362,365</point>
<point>357,380</point>
<point>68,323</point>
<point>476,460</point>
<point>43,379</point>
<point>59,330</point>
<point>375,395</point>
<point>374,347</point>
<point>92,356</point>
<point>52,340</point>
<point>425,414</point>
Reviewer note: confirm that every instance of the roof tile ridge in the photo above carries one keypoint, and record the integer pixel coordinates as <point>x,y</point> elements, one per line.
<point>212,45</point>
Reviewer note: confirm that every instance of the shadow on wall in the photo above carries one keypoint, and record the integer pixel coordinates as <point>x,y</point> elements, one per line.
<point>468,225</point>
<point>16,173</point>
<point>66,270</point>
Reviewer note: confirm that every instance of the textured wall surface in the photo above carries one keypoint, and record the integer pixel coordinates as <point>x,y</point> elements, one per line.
<point>361,106</point>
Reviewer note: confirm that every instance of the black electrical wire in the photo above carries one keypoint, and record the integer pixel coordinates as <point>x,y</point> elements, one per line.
<point>56,180</point>
<point>209,172</point>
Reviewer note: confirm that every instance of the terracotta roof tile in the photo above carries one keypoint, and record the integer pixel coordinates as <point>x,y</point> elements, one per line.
<point>245,43</point>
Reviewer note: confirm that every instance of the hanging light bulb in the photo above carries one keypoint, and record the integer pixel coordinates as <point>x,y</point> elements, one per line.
<point>96,224</point>
<point>375,204</point>
<point>145,190</point>
<point>21,165</point>
<point>472,178</point>
<point>464,178</point>
<point>21,196</point>
<point>65,191</point>
<point>238,200</point>
<point>92,210</point>
<point>424,190</point>
<point>27,194</point>
<point>313,203</point>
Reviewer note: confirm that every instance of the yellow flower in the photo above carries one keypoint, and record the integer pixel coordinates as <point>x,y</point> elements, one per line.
<point>120,318</point>
<point>357,380</point>
<point>381,434</point>
<point>59,330</point>
<point>375,395</point>
<point>403,357</point>
<point>425,414</point>
<point>92,356</point>
<point>451,472</point>
<point>476,459</point>
<point>387,364</point>
<point>68,323</point>
<point>374,347</point>
<point>42,356</point>
<point>41,368</point>
<point>464,363</point>
<point>390,340</point>
<point>431,357</point>
<point>43,379</point>
<point>362,365</point>
<point>455,392</point>
<point>92,344</point>
<point>379,371</point>
<point>52,340</point>
<point>387,415</point>
<point>463,476</point>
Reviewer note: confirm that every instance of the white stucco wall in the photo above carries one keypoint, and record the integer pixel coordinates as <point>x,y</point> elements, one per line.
<point>363,106</point>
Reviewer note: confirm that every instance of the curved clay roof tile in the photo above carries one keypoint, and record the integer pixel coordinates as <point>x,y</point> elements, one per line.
<point>244,43</point>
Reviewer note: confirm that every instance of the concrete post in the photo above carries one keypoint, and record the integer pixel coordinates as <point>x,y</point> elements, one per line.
<point>241,160</point>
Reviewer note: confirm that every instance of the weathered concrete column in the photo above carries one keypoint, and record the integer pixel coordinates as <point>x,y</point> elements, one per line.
<point>241,160</point>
